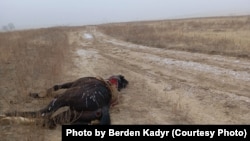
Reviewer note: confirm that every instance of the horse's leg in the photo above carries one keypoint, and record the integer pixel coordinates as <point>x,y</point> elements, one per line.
<point>67,116</point>
<point>25,117</point>
<point>27,114</point>
<point>63,86</point>
<point>52,91</point>
<point>53,106</point>
<point>100,116</point>
<point>105,118</point>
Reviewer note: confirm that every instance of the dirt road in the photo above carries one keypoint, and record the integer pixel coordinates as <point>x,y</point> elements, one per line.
<point>165,86</point>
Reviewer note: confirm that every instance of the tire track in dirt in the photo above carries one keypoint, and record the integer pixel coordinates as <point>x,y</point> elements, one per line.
<point>190,87</point>
<point>177,93</point>
<point>219,68</point>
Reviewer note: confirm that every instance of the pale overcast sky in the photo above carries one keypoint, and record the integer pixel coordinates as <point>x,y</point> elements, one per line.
<point>44,13</point>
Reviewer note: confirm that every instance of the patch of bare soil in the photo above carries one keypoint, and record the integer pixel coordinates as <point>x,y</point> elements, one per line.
<point>165,86</point>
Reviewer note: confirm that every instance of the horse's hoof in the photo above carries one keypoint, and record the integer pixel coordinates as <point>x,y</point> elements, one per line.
<point>49,124</point>
<point>95,122</point>
<point>2,116</point>
<point>56,87</point>
<point>34,95</point>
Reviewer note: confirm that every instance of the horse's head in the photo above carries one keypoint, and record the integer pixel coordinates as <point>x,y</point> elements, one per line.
<point>119,81</point>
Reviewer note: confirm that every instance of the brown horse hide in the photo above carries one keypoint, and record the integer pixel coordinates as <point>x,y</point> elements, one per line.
<point>87,99</point>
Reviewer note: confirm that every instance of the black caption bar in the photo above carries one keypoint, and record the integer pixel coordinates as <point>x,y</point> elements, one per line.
<point>158,132</point>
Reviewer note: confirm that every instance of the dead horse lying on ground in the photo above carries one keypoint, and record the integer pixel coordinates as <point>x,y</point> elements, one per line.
<point>87,99</point>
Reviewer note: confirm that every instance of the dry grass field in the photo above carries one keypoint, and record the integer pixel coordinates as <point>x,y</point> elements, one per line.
<point>31,61</point>
<point>190,71</point>
<point>221,35</point>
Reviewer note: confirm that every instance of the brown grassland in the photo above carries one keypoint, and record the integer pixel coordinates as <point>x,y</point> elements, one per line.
<point>34,60</point>
<point>221,35</point>
<point>31,60</point>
